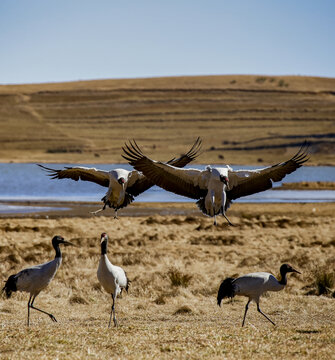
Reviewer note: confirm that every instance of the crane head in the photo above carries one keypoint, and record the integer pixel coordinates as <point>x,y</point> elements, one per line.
<point>224,179</point>
<point>121,180</point>
<point>226,289</point>
<point>103,243</point>
<point>286,268</point>
<point>221,174</point>
<point>56,240</point>
<point>103,237</point>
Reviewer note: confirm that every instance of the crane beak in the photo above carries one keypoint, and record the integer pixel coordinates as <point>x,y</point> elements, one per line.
<point>296,271</point>
<point>67,243</point>
<point>121,181</point>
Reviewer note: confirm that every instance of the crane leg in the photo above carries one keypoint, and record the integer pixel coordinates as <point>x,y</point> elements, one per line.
<point>97,211</point>
<point>112,313</point>
<point>31,305</point>
<point>212,209</point>
<point>259,310</point>
<point>230,224</point>
<point>29,310</point>
<point>245,312</point>
<point>115,216</point>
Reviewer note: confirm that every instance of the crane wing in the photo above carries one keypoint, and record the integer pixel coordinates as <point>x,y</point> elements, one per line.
<point>100,177</point>
<point>186,182</point>
<point>191,155</point>
<point>247,182</point>
<point>139,183</point>
<point>251,284</point>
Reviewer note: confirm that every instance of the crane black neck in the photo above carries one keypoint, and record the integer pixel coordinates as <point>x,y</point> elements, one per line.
<point>104,247</point>
<point>55,244</point>
<point>283,277</point>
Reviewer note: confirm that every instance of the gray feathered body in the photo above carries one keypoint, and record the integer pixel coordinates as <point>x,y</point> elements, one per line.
<point>33,279</point>
<point>251,285</point>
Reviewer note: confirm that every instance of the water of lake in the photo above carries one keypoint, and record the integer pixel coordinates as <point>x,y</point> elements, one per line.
<point>28,182</point>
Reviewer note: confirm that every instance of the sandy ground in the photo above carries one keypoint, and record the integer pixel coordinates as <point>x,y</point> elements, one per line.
<point>158,319</point>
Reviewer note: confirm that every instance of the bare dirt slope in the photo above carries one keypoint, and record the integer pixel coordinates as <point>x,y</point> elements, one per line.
<point>242,119</point>
<point>161,318</point>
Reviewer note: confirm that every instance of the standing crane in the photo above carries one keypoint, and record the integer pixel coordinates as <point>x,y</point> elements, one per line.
<point>253,286</point>
<point>112,278</point>
<point>36,278</point>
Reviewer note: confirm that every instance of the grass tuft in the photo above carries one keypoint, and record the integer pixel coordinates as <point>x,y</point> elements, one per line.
<point>323,284</point>
<point>76,299</point>
<point>97,287</point>
<point>183,310</point>
<point>160,300</point>
<point>177,278</point>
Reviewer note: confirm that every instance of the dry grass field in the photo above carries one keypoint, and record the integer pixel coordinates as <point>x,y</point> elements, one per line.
<point>176,263</point>
<point>174,256</point>
<point>242,119</point>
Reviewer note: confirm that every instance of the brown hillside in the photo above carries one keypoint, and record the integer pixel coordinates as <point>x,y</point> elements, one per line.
<point>241,119</point>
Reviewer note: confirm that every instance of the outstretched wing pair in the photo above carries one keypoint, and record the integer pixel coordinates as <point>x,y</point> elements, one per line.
<point>193,183</point>
<point>137,184</point>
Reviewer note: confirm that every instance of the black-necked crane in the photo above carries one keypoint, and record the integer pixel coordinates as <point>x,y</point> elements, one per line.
<point>123,185</point>
<point>215,188</point>
<point>253,286</point>
<point>36,278</point>
<point>112,278</point>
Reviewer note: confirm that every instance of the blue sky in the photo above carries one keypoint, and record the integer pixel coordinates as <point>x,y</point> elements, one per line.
<point>65,40</point>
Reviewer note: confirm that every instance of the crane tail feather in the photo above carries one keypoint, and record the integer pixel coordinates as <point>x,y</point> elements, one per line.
<point>202,206</point>
<point>227,289</point>
<point>128,282</point>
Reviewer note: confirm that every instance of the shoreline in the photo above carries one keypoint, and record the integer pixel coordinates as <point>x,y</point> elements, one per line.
<point>308,185</point>
<point>139,209</point>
